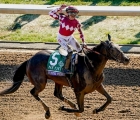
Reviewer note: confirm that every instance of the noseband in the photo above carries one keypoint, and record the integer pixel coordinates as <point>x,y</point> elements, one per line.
<point>109,54</point>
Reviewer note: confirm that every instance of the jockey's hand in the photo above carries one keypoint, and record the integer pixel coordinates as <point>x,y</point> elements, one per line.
<point>84,45</point>
<point>63,6</point>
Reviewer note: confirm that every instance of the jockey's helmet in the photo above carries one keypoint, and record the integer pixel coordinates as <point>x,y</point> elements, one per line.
<point>72,9</point>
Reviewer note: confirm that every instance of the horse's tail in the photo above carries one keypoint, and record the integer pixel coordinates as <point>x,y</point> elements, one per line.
<point>17,79</point>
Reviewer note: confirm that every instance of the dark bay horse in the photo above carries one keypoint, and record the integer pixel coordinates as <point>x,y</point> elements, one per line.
<point>88,76</point>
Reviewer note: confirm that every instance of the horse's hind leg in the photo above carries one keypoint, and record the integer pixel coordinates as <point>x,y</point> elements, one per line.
<point>35,91</point>
<point>101,90</point>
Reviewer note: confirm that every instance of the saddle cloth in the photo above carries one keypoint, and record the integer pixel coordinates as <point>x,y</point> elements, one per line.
<point>56,63</point>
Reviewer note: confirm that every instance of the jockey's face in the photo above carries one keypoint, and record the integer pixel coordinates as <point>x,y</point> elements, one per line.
<point>72,15</point>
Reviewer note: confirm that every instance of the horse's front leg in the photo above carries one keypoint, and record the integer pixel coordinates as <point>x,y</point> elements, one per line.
<point>58,94</point>
<point>80,102</point>
<point>101,90</point>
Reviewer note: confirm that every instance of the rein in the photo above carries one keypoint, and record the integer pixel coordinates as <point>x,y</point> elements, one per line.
<point>91,61</point>
<point>92,51</point>
<point>98,53</point>
<point>88,57</point>
<point>111,56</point>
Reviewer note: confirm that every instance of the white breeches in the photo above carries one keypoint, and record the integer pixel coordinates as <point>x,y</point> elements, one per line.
<point>65,41</point>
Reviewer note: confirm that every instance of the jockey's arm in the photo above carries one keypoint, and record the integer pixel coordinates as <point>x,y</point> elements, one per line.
<point>81,33</point>
<point>55,12</point>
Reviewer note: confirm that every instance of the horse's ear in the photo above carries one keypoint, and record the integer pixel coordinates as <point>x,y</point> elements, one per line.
<point>109,37</point>
<point>101,41</point>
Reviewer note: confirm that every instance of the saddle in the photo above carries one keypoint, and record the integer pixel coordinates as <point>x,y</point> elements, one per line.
<point>56,63</point>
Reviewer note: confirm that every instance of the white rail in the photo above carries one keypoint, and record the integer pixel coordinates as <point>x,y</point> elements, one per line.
<point>84,10</point>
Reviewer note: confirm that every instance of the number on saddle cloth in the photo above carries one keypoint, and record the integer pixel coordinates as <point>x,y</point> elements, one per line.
<point>56,63</point>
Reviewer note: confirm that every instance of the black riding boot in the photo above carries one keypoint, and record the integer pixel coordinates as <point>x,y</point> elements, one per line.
<point>67,64</point>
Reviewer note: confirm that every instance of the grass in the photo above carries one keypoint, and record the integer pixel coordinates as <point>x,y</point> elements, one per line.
<point>76,2</point>
<point>42,28</point>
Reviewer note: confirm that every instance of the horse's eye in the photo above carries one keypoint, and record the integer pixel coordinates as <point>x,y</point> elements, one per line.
<point>112,50</point>
<point>110,46</point>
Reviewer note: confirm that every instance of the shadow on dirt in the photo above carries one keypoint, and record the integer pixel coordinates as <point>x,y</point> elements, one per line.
<point>127,77</point>
<point>113,76</point>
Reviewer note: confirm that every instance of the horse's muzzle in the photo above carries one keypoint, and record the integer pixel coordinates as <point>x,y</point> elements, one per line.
<point>126,61</point>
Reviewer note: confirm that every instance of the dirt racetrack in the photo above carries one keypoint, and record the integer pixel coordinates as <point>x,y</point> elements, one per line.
<point>121,82</point>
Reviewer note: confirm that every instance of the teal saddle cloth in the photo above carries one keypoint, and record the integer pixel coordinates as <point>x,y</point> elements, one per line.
<point>56,64</point>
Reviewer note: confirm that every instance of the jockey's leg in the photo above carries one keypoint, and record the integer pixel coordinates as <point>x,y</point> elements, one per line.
<point>67,64</point>
<point>74,43</point>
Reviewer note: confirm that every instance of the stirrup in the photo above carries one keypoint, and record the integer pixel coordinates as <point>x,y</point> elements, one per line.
<point>66,71</point>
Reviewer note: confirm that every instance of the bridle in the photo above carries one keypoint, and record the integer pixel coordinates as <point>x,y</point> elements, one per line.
<point>108,56</point>
<point>113,57</point>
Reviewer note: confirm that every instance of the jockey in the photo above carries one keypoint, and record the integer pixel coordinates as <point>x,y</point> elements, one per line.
<point>68,24</point>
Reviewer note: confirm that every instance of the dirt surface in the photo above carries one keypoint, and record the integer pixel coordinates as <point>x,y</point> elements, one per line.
<point>121,82</point>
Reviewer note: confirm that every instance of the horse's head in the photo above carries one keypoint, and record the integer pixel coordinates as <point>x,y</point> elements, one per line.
<point>113,52</point>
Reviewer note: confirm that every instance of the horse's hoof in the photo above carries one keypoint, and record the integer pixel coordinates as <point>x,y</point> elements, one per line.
<point>77,114</point>
<point>95,111</point>
<point>61,108</point>
<point>47,114</point>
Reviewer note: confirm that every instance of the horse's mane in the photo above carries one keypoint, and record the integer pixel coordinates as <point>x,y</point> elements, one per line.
<point>102,43</point>
<point>94,53</point>
<point>92,56</point>
<point>94,49</point>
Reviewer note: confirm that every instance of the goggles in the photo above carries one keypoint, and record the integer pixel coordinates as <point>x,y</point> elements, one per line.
<point>72,13</point>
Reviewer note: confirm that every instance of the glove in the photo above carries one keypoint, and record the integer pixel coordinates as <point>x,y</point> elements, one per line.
<point>84,45</point>
<point>63,6</point>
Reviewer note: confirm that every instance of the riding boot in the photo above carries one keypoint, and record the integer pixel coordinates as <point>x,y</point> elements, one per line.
<point>81,53</point>
<point>67,64</point>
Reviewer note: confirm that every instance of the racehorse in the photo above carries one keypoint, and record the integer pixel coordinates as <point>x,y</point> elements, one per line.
<point>87,76</point>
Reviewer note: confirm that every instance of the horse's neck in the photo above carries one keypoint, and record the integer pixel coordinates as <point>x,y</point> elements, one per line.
<point>98,61</point>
